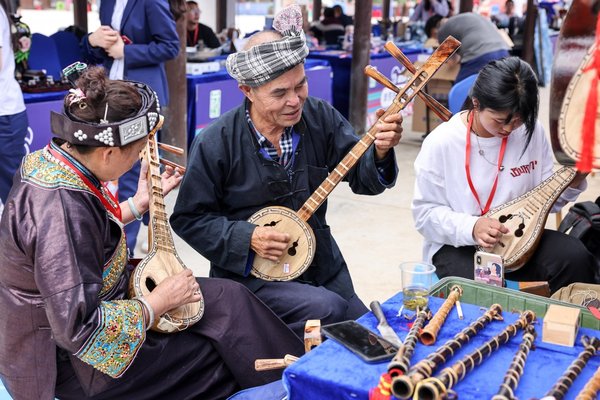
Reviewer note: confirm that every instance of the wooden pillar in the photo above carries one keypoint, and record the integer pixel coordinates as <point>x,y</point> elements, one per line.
<point>385,16</point>
<point>221,15</point>
<point>465,6</point>
<point>316,10</point>
<point>175,132</point>
<point>80,14</point>
<point>528,34</point>
<point>361,51</point>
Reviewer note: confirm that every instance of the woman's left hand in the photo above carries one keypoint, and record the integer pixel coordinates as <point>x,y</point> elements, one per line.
<point>170,179</point>
<point>389,133</point>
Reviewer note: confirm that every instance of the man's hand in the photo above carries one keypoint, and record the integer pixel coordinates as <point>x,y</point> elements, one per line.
<point>488,231</point>
<point>269,243</point>
<point>388,133</point>
<point>104,37</point>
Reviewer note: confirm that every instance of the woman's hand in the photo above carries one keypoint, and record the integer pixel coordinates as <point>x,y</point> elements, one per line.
<point>104,37</point>
<point>388,135</point>
<point>174,291</point>
<point>488,231</point>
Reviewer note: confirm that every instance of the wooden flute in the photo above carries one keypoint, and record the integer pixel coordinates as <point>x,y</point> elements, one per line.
<point>562,385</point>
<point>403,386</point>
<point>428,335</point>
<point>401,361</point>
<point>437,387</point>
<point>515,370</point>
<point>591,388</point>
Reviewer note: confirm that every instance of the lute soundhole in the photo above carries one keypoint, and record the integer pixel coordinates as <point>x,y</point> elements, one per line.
<point>292,250</point>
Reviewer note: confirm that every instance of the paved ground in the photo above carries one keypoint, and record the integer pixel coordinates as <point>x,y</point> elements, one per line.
<point>376,233</point>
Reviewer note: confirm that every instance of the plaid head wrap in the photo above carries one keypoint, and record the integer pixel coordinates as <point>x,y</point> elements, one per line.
<point>266,61</point>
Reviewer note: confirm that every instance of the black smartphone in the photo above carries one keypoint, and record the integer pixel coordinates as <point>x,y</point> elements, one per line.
<point>361,341</point>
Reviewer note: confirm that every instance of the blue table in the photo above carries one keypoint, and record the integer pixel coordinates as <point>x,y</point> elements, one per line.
<point>38,106</point>
<point>212,94</point>
<point>378,95</point>
<point>330,371</point>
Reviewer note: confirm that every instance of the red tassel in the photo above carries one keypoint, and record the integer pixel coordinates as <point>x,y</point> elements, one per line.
<point>588,136</point>
<point>383,389</point>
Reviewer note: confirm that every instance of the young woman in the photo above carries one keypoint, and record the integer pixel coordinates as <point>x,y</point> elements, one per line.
<point>508,154</point>
<point>69,329</point>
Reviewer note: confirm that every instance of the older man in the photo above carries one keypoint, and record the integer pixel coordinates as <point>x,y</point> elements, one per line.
<point>276,149</point>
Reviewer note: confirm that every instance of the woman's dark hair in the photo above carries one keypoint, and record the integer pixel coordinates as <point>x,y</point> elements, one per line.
<point>432,23</point>
<point>123,99</point>
<point>509,85</point>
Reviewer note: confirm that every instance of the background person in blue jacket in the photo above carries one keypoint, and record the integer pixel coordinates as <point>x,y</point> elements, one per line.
<point>275,149</point>
<point>134,40</point>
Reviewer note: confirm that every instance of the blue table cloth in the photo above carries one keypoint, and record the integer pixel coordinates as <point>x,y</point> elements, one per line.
<point>330,371</point>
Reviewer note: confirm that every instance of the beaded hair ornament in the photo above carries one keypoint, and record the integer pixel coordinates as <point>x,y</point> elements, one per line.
<point>68,127</point>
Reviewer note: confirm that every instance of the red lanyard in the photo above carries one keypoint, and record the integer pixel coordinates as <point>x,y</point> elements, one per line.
<point>115,210</point>
<point>468,168</point>
<point>195,37</point>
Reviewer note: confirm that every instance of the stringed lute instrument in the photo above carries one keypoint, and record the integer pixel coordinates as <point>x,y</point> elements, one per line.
<point>298,257</point>
<point>162,260</point>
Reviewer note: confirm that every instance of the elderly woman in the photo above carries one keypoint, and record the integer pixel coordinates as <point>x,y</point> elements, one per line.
<point>69,329</point>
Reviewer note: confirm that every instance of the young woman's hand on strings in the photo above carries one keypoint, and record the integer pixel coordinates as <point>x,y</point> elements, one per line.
<point>488,231</point>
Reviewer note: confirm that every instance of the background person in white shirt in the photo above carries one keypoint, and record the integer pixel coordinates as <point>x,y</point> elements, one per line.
<point>13,117</point>
<point>502,112</point>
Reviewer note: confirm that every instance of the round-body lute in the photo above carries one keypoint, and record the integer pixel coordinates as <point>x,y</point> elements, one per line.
<point>525,218</point>
<point>301,249</point>
<point>152,270</point>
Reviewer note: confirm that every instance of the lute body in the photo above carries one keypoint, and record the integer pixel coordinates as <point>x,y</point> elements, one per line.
<point>525,218</point>
<point>298,256</point>
<point>162,260</point>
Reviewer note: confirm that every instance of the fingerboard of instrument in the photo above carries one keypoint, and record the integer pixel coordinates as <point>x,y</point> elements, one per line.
<point>404,96</point>
<point>160,229</point>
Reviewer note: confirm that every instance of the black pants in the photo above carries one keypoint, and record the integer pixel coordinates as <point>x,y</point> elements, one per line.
<point>559,259</point>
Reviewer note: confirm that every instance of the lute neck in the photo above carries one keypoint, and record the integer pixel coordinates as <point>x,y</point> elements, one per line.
<point>312,204</point>
<point>160,231</point>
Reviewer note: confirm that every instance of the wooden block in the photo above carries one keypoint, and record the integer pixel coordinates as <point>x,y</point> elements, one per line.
<point>561,325</point>
<point>540,288</point>
<point>312,334</point>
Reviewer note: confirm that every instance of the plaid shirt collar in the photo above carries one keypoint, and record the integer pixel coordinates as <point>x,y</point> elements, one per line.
<point>286,143</point>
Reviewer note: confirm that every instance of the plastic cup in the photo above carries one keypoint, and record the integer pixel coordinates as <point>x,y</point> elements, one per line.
<point>416,281</point>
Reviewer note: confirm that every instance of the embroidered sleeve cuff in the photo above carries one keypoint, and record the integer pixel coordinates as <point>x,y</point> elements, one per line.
<point>112,347</point>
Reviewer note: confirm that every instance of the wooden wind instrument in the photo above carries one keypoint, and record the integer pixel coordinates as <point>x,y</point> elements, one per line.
<point>591,388</point>
<point>515,370</point>
<point>401,361</point>
<point>428,335</point>
<point>436,388</point>
<point>299,255</point>
<point>562,385</point>
<point>403,386</point>
<point>162,259</point>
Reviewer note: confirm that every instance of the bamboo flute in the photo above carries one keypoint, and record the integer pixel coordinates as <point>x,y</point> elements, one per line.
<point>401,361</point>
<point>428,335</point>
<point>437,388</point>
<point>403,386</point>
<point>562,385</point>
<point>591,388</point>
<point>515,370</point>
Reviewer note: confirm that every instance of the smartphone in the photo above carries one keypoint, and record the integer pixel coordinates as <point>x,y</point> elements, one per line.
<point>361,341</point>
<point>126,40</point>
<point>489,268</point>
